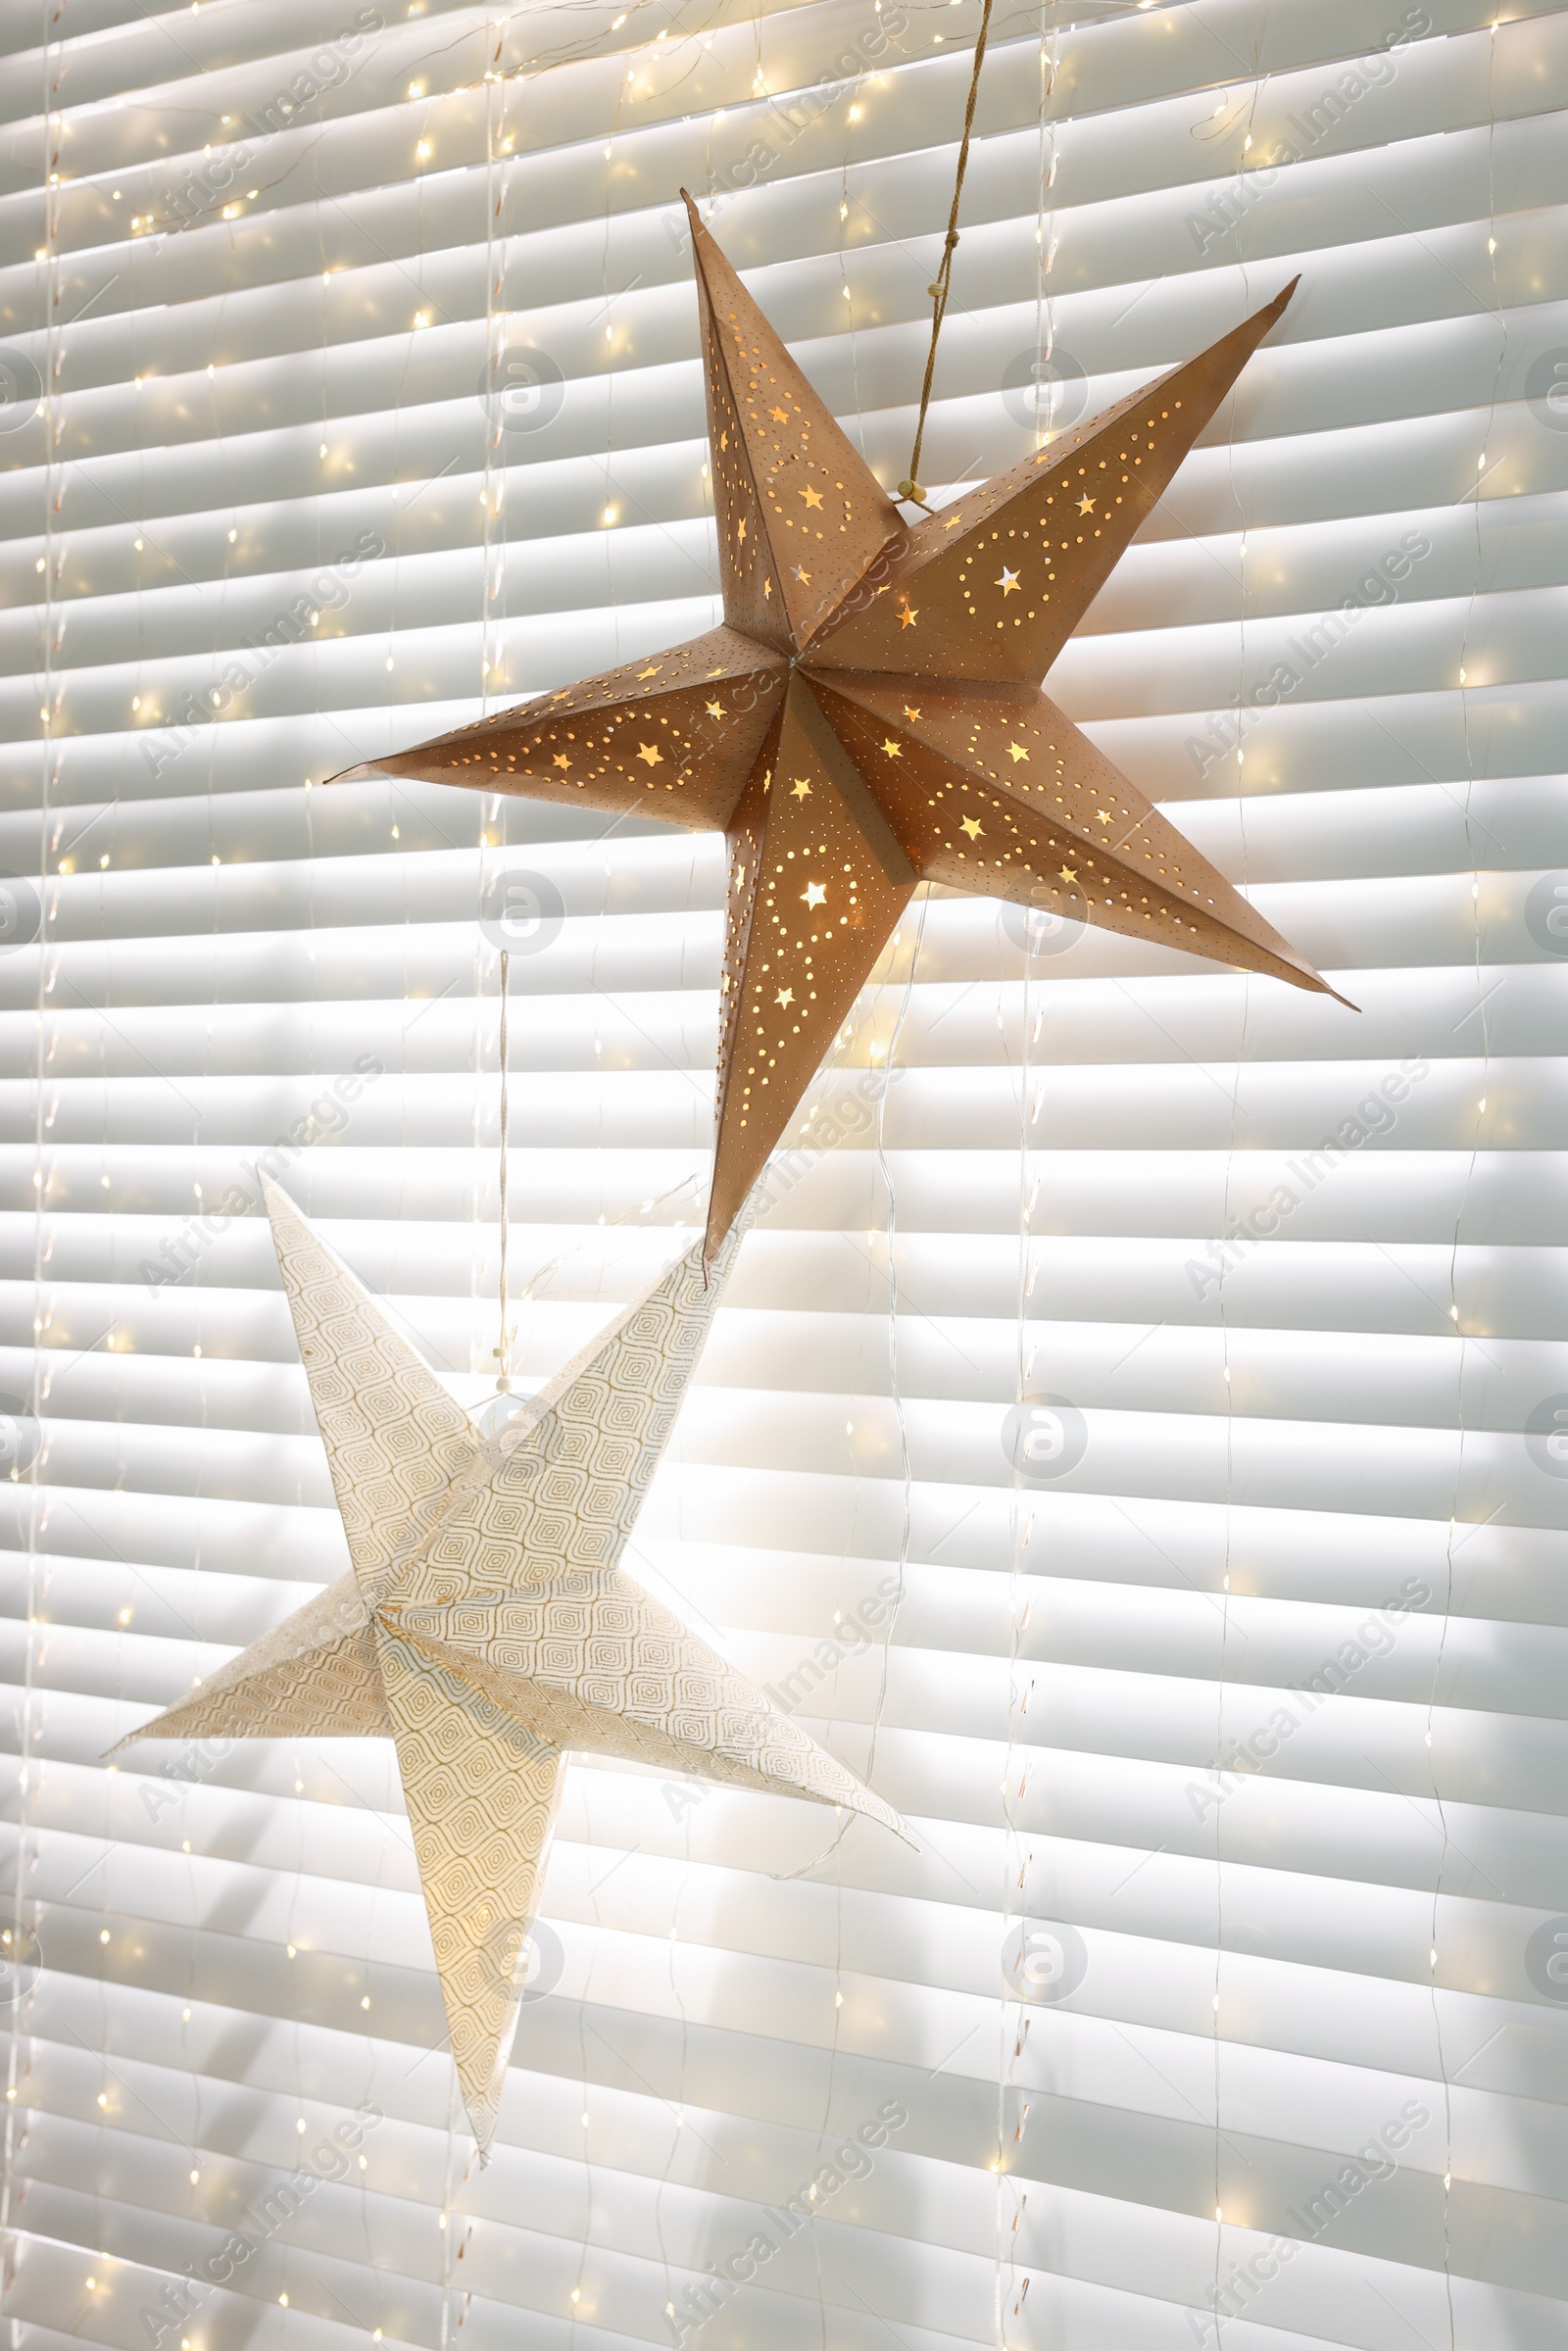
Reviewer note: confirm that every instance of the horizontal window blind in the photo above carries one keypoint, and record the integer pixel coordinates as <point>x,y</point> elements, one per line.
<point>1136,1435</point>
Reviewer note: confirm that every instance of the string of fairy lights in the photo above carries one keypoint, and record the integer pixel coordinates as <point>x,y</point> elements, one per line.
<point>72,687</point>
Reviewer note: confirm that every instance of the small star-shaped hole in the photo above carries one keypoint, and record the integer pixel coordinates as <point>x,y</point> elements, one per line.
<point>1007,582</point>
<point>785,995</point>
<point>651,754</point>
<point>1016,752</point>
<point>894,751</point>
<point>813,497</point>
<point>973,826</point>
<point>799,789</point>
<point>716,710</point>
<point>813,893</point>
<point>1086,506</point>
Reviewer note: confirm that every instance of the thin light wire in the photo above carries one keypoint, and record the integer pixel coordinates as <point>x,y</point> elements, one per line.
<point>1439,1660</point>
<point>1014,2019</point>
<point>915,915</point>
<point>504,1350</point>
<point>1216,2028</point>
<point>1015,1870</point>
<point>492,571</point>
<point>17,2071</point>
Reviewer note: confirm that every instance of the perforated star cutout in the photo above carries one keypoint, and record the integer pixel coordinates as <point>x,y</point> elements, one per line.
<point>834,608</point>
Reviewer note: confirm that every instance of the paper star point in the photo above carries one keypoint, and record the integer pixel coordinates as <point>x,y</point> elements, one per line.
<point>824,666</point>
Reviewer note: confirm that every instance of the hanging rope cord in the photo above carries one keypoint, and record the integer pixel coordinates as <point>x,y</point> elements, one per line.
<point>910,489</point>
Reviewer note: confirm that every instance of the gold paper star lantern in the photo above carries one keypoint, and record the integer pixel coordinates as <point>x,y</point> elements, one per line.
<point>837,793</point>
<point>486,1626</point>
